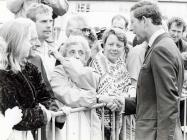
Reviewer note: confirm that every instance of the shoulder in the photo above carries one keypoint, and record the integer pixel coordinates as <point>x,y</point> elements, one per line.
<point>165,42</point>
<point>137,53</point>
<point>4,74</point>
<point>166,49</point>
<point>8,80</point>
<point>138,49</point>
<point>31,67</point>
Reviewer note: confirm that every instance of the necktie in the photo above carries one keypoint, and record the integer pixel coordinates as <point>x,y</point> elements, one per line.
<point>147,50</point>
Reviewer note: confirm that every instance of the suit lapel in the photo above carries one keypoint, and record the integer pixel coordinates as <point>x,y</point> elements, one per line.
<point>154,44</point>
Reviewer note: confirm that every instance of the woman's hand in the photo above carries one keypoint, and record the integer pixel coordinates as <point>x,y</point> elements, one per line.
<point>120,101</point>
<point>112,106</point>
<point>114,103</point>
<point>66,110</point>
<point>13,116</point>
<point>56,55</point>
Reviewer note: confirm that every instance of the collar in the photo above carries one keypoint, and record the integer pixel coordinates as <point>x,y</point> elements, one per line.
<point>154,36</point>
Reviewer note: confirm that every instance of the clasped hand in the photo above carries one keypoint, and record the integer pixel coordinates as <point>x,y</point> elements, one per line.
<point>114,103</point>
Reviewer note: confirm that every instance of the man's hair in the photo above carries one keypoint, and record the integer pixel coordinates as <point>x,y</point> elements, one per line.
<point>38,8</point>
<point>149,10</point>
<point>120,17</point>
<point>179,22</point>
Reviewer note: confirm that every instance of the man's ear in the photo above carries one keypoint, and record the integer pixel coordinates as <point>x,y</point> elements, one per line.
<point>146,21</point>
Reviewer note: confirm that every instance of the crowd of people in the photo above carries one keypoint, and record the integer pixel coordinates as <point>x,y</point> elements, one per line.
<point>144,78</point>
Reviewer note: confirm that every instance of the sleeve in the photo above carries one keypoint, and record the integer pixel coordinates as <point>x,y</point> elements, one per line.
<point>68,93</point>
<point>130,106</point>
<point>165,73</point>
<point>33,118</point>
<point>14,5</point>
<point>84,77</point>
<point>88,79</point>
<point>60,7</point>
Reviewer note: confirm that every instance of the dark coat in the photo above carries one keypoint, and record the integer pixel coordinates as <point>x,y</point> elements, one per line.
<point>25,89</point>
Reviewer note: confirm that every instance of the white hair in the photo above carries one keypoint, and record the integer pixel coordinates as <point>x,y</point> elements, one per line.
<point>76,39</point>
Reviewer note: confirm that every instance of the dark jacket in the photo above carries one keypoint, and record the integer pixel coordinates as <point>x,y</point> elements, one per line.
<point>25,89</point>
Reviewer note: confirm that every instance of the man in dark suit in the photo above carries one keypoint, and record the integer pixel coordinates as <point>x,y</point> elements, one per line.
<point>160,80</point>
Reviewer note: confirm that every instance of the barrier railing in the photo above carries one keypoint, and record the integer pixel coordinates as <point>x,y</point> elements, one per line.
<point>129,128</point>
<point>74,111</point>
<point>129,134</point>
<point>115,132</point>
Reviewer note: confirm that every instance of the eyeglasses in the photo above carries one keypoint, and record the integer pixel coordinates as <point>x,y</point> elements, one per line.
<point>86,30</point>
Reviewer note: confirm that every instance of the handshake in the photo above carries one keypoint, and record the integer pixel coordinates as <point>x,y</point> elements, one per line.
<point>114,103</point>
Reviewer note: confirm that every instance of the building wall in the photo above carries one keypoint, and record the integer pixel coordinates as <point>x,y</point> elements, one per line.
<point>99,13</point>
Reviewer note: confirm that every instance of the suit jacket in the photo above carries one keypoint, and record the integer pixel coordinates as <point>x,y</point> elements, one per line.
<point>158,92</point>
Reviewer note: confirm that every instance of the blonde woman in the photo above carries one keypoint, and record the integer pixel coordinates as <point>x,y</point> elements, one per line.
<point>21,83</point>
<point>11,116</point>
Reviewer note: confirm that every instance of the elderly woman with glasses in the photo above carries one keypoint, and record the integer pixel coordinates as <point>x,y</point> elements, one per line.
<point>76,85</point>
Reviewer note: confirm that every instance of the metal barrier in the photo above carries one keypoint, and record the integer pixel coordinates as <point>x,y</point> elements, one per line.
<point>115,133</point>
<point>129,130</point>
<point>78,110</point>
